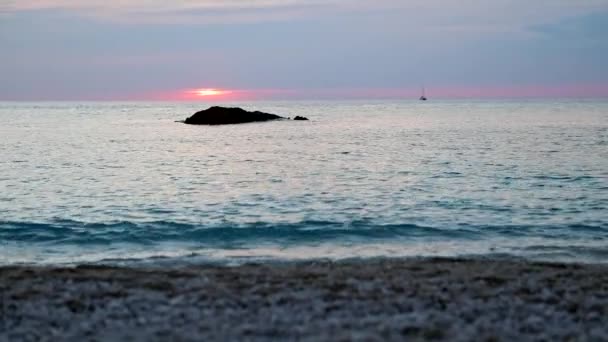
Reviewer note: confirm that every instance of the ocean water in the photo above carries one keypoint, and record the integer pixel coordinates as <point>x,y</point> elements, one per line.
<point>124,182</point>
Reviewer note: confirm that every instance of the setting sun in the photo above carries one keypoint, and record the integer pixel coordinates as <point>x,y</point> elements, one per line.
<point>210,92</point>
<point>205,94</point>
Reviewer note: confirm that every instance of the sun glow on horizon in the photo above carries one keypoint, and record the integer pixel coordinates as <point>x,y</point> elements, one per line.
<point>204,94</point>
<point>210,92</point>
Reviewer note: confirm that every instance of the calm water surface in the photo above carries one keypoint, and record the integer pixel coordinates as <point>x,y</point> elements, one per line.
<point>87,182</point>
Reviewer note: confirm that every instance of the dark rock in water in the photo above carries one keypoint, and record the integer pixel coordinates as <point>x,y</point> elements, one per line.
<point>300,118</point>
<point>224,116</point>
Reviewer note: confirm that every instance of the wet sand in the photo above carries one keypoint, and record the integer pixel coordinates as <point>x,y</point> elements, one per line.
<point>394,299</point>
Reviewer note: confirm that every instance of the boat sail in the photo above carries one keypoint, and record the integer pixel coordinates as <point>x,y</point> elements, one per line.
<point>423,97</point>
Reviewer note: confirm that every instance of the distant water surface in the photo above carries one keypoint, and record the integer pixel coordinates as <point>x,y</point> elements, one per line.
<point>116,182</point>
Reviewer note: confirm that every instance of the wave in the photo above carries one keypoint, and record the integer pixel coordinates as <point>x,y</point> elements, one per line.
<point>76,232</point>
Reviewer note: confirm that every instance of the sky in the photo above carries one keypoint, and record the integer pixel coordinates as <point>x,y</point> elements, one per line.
<point>301,49</point>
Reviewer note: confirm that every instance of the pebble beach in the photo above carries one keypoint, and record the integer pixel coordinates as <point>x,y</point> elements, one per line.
<point>373,299</point>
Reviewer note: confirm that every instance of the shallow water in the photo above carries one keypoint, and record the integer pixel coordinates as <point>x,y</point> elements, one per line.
<point>84,182</point>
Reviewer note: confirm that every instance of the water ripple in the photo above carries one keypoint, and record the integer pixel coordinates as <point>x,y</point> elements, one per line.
<point>441,177</point>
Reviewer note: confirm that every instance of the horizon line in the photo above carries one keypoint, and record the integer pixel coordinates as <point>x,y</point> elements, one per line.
<point>430,99</point>
<point>226,94</point>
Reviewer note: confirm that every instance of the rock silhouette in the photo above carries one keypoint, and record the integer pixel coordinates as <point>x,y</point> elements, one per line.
<point>225,116</point>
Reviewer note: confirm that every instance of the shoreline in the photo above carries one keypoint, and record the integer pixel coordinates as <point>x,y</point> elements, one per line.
<point>368,299</point>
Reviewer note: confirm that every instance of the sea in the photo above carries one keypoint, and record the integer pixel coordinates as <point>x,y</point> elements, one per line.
<point>125,183</point>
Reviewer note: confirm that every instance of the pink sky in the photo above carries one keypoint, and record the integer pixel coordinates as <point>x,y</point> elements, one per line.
<point>226,94</point>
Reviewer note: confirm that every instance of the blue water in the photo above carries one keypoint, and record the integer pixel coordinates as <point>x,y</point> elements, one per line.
<point>118,182</point>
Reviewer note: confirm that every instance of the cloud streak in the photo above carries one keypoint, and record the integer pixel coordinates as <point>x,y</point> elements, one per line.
<point>151,5</point>
<point>203,12</point>
<point>460,14</point>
